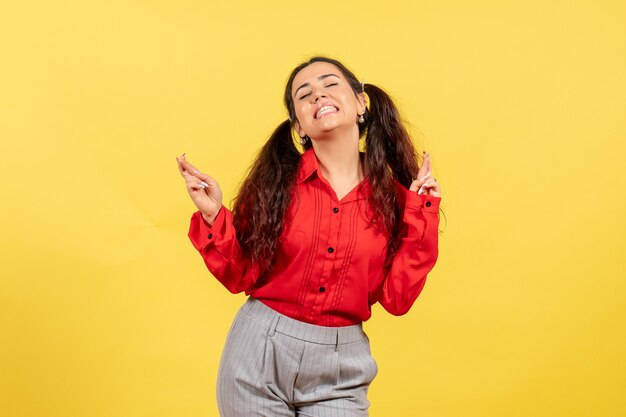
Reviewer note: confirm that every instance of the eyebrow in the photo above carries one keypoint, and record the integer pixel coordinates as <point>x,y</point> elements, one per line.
<point>320,78</point>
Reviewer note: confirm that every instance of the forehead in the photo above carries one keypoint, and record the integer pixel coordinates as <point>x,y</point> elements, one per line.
<point>310,73</point>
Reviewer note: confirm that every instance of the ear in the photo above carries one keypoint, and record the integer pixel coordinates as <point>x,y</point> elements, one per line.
<point>298,129</point>
<point>362,103</point>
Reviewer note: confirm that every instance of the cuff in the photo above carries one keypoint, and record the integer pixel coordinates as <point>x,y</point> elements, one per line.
<point>422,202</point>
<point>202,234</point>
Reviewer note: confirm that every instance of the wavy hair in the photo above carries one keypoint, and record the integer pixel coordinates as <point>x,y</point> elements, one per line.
<point>265,195</point>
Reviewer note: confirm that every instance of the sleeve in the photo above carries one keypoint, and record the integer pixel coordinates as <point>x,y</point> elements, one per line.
<point>221,252</point>
<point>416,255</point>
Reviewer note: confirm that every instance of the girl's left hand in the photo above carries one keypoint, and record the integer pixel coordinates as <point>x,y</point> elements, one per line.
<point>425,182</point>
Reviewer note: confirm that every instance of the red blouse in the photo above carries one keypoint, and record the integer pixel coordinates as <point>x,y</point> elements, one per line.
<point>329,264</point>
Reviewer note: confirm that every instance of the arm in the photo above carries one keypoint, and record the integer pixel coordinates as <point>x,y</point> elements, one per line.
<point>419,248</point>
<point>221,252</point>
<point>416,255</point>
<point>212,232</point>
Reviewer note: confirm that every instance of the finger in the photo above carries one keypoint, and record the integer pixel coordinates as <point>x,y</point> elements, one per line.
<point>429,164</point>
<point>423,168</point>
<point>184,173</point>
<point>416,184</point>
<point>187,167</point>
<point>194,184</point>
<point>426,165</point>
<point>431,186</point>
<point>192,170</point>
<point>183,165</point>
<point>180,168</point>
<point>196,181</point>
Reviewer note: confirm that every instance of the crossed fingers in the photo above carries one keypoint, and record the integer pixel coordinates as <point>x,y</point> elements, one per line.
<point>191,174</point>
<point>426,182</point>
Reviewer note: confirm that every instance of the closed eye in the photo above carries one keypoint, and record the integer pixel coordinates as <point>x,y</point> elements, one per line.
<point>308,94</point>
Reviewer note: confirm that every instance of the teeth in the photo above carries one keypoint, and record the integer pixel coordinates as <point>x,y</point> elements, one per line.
<point>324,110</point>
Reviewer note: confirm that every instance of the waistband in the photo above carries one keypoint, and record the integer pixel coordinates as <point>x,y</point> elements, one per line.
<point>277,322</point>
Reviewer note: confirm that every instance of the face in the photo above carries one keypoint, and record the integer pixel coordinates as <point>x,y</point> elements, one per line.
<point>324,101</point>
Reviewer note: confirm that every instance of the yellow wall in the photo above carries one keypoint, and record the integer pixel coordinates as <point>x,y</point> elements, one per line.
<point>107,310</point>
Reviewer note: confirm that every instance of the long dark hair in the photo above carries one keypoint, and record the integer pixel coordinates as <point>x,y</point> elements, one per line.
<point>264,197</point>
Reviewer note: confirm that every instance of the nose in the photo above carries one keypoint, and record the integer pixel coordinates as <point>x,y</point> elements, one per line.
<point>318,94</point>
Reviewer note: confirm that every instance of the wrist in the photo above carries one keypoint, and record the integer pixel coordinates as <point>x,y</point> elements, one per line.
<point>210,219</point>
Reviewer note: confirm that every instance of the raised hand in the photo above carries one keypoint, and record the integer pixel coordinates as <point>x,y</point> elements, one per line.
<point>204,191</point>
<point>426,182</point>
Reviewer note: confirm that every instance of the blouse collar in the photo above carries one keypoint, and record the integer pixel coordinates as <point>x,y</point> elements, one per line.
<point>309,166</point>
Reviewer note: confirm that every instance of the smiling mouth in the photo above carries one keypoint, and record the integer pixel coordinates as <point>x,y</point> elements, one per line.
<point>326,110</point>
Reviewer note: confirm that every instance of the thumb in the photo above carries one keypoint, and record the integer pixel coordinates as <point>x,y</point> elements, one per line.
<point>417,184</point>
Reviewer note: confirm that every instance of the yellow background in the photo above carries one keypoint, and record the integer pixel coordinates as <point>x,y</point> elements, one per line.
<point>107,310</point>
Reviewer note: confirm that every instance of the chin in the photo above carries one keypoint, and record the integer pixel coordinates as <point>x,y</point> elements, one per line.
<point>326,132</point>
<point>333,125</point>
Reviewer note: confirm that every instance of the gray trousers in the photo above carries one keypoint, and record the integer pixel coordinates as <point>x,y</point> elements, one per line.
<point>275,366</point>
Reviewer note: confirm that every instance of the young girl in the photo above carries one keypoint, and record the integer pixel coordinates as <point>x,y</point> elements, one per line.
<point>314,239</point>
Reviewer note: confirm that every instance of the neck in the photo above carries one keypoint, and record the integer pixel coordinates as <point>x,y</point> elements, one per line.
<point>339,158</point>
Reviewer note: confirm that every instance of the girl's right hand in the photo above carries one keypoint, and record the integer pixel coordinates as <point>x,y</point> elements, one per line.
<point>204,191</point>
